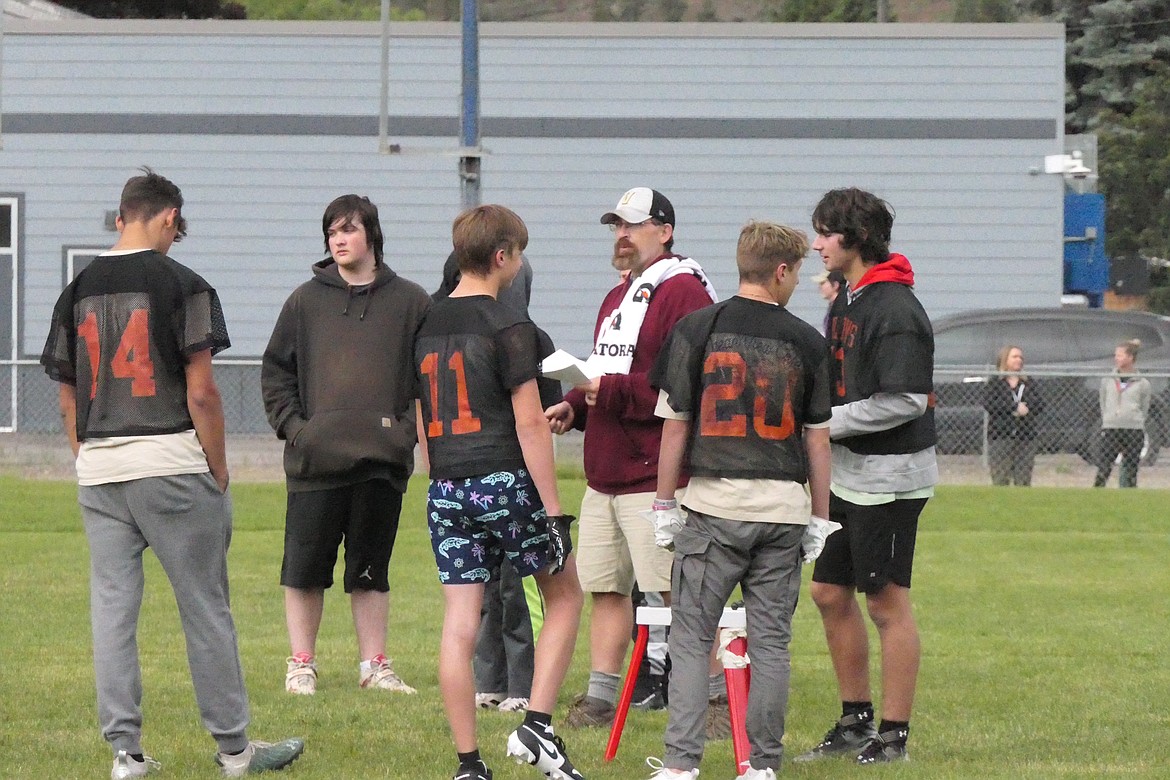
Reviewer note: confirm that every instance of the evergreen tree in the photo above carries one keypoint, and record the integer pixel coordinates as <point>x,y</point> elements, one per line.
<point>1134,175</point>
<point>1110,46</point>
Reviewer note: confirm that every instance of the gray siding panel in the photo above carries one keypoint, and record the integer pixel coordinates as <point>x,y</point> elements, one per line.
<point>741,125</point>
<point>720,77</point>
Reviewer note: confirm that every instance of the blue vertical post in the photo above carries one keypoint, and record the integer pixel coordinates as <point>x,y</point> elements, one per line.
<point>469,158</point>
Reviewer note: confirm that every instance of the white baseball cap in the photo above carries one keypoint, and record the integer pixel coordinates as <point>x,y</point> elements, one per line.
<point>639,205</point>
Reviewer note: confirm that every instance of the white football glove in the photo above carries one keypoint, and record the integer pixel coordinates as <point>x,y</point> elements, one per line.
<point>815,535</point>
<point>667,519</point>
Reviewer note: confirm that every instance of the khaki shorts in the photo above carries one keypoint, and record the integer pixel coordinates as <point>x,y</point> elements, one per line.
<point>615,546</point>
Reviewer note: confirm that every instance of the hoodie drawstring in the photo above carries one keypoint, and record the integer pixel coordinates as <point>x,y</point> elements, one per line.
<point>349,290</point>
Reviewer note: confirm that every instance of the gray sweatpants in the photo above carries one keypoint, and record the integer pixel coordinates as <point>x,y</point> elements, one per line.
<point>187,521</point>
<point>711,557</point>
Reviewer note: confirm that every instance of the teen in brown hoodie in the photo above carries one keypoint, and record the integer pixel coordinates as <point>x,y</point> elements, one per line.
<point>338,389</point>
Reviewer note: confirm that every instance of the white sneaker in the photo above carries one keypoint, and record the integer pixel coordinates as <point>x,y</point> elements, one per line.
<point>663,772</point>
<point>757,774</point>
<point>301,677</point>
<point>514,704</point>
<point>126,767</point>
<point>381,675</point>
<point>489,701</point>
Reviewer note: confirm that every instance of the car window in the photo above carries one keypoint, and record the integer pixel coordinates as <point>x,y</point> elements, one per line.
<point>1043,341</point>
<point>1098,339</point>
<point>974,344</point>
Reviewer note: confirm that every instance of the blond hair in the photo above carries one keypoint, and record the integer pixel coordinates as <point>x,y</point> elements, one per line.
<point>765,246</point>
<point>1132,347</point>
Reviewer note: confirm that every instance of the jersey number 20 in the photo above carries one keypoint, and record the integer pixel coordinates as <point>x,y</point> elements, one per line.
<point>735,368</point>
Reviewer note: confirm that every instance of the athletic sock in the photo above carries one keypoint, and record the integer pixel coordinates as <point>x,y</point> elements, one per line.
<point>541,719</point>
<point>469,760</point>
<point>857,708</point>
<point>603,686</point>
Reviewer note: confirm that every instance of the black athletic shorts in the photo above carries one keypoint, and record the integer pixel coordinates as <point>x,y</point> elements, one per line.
<point>365,515</point>
<point>875,545</point>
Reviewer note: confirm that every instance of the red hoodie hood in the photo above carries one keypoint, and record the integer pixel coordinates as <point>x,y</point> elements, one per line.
<point>895,269</point>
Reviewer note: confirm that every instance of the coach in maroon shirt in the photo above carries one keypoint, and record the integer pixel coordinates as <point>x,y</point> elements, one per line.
<point>622,435</point>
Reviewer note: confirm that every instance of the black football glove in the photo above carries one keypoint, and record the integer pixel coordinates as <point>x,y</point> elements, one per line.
<point>560,543</point>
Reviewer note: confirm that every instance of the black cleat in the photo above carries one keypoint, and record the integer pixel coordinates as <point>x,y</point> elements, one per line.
<point>849,735</point>
<point>885,748</point>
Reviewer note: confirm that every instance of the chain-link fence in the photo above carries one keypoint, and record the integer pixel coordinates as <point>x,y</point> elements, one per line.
<point>979,419</point>
<point>28,398</point>
<point>1064,428</point>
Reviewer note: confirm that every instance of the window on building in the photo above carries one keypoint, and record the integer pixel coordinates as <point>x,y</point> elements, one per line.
<point>75,258</point>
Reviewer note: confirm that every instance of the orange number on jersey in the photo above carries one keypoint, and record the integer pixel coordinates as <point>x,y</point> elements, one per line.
<point>787,418</point>
<point>132,358</point>
<point>736,425</point>
<point>839,356</point>
<point>466,422</point>
<point>709,422</point>
<point>88,331</point>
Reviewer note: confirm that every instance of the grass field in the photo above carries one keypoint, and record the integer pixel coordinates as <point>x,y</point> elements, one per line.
<point>1043,618</point>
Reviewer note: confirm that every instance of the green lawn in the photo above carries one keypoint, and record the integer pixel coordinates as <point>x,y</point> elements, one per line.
<point>1042,614</point>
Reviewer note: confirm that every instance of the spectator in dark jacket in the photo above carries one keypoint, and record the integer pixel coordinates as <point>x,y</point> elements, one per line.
<point>1012,402</point>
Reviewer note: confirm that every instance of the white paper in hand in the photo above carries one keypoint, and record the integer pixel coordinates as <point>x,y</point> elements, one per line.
<point>562,366</point>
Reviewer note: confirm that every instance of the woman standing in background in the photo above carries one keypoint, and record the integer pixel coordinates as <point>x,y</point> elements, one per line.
<point>1012,403</point>
<point>1125,402</point>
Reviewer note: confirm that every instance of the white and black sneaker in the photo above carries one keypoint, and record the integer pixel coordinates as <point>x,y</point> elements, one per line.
<point>544,750</point>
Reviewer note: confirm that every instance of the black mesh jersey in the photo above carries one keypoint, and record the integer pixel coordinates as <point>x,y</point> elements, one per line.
<point>882,342</point>
<point>751,375</point>
<point>122,333</point>
<point>469,355</point>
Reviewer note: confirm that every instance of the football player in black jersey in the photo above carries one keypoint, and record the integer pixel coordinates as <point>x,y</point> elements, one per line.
<point>744,394</point>
<point>881,349</point>
<point>493,489</point>
<point>131,344</point>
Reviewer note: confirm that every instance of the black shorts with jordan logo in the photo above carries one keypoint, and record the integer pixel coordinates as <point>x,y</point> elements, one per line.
<point>364,515</point>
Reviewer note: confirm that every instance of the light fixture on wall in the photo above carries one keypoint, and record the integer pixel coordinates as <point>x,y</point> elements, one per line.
<point>1066,165</point>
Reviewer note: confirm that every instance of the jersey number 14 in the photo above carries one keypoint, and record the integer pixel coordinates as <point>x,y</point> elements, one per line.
<point>132,358</point>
